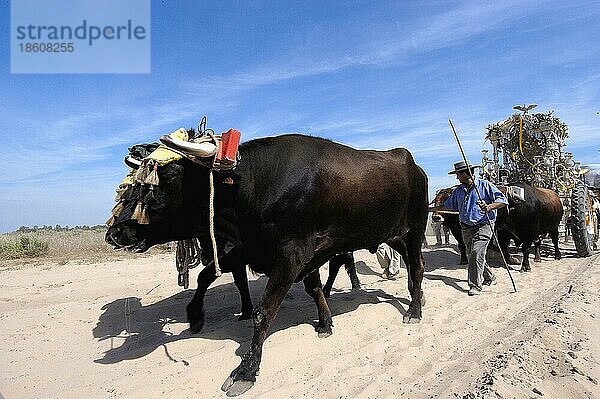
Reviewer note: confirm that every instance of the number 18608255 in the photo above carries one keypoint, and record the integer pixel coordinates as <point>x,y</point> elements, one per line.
<point>46,47</point>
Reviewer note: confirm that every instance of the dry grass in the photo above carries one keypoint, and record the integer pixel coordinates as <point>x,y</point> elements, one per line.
<point>58,245</point>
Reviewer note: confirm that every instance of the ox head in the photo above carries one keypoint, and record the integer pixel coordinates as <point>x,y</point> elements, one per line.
<point>176,208</point>
<point>166,209</point>
<point>515,195</point>
<point>440,196</point>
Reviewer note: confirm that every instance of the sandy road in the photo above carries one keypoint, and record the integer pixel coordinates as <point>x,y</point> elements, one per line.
<point>118,329</point>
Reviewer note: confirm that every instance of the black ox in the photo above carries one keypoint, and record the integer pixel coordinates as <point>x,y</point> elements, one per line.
<point>526,221</point>
<point>231,260</point>
<point>450,220</point>
<point>293,203</point>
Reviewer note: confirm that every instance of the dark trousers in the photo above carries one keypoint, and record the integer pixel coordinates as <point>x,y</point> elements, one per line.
<point>476,240</point>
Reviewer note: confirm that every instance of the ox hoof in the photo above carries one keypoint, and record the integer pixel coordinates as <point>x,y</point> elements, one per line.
<point>511,260</point>
<point>195,317</point>
<point>525,269</point>
<point>408,319</point>
<point>324,331</point>
<point>236,388</point>
<point>245,316</point>
<point>538,260</point>
<point>196,323</point>
<point>197,327</point>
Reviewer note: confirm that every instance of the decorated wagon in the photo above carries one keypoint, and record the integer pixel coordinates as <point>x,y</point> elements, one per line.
<point>529,148</point>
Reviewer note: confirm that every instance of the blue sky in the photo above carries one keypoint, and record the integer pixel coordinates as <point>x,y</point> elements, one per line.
<point>370,74</point>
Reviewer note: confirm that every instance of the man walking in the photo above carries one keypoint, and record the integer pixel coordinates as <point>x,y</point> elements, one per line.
<point>439,229</point>
<point>477,227</point>
<point>390,260</point>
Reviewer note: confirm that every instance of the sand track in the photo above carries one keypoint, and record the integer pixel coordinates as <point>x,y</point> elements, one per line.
<point>118,329</point>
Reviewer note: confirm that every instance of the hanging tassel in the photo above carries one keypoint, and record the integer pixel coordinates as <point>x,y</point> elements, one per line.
<point>110,221</point>
<point>137,213</point>
<point>152,178</point>
<point>149,197</point>
<point>143,219</point>
<point>121,192</point>
<point>129,194</point>
<point>141,189</point>
<point>117,209</point>
<point>142,173</point>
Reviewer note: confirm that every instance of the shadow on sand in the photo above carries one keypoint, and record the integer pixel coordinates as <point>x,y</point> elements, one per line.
<point>147,325</point>
<point>440,259</point>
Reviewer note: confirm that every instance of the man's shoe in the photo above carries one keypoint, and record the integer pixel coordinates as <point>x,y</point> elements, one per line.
<point>513,260</point>
<point>389,276</point>
<point>474,291</point>
<point>491,281</point>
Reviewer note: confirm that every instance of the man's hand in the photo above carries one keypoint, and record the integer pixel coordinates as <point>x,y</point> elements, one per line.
<point>489,207</point>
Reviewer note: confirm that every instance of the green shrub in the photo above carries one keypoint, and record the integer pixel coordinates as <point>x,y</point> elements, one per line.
<point>22,247</point>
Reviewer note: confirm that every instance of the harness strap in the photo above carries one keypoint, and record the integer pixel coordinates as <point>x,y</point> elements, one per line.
<point>187,257</point>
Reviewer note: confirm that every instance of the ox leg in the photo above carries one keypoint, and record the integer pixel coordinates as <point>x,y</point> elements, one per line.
<point>334,267</point>
<point>503,241</point>
<point>346,259</point>
<point>537,244</point>
<point>240,278</point>
<point>525,247</point>
<point>462,248</point>
<point>243,377</point>
<point>351,270</point>
<point>457,234</point>
<point>410,248</point>
<point>195,309</point>
<point>554,236</point>
<point>312,286</point>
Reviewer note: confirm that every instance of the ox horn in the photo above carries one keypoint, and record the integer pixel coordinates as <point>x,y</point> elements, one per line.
<point>203,149</point>
<point>132,162</point>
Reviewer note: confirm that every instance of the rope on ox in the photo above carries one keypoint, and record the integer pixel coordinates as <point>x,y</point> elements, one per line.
<point>212,223</point>
<point>188,251</point>
<point>211,207</point>
<point>171,143</point>
<point>462,153</point>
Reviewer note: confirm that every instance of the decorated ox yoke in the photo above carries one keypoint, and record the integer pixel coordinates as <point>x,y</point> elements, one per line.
<point>215,152</point>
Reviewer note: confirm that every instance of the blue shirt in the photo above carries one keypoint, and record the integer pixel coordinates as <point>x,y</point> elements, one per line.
<point>465,200</point>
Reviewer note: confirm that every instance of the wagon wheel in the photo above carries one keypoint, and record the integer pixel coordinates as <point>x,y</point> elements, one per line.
<point>581,217</point>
